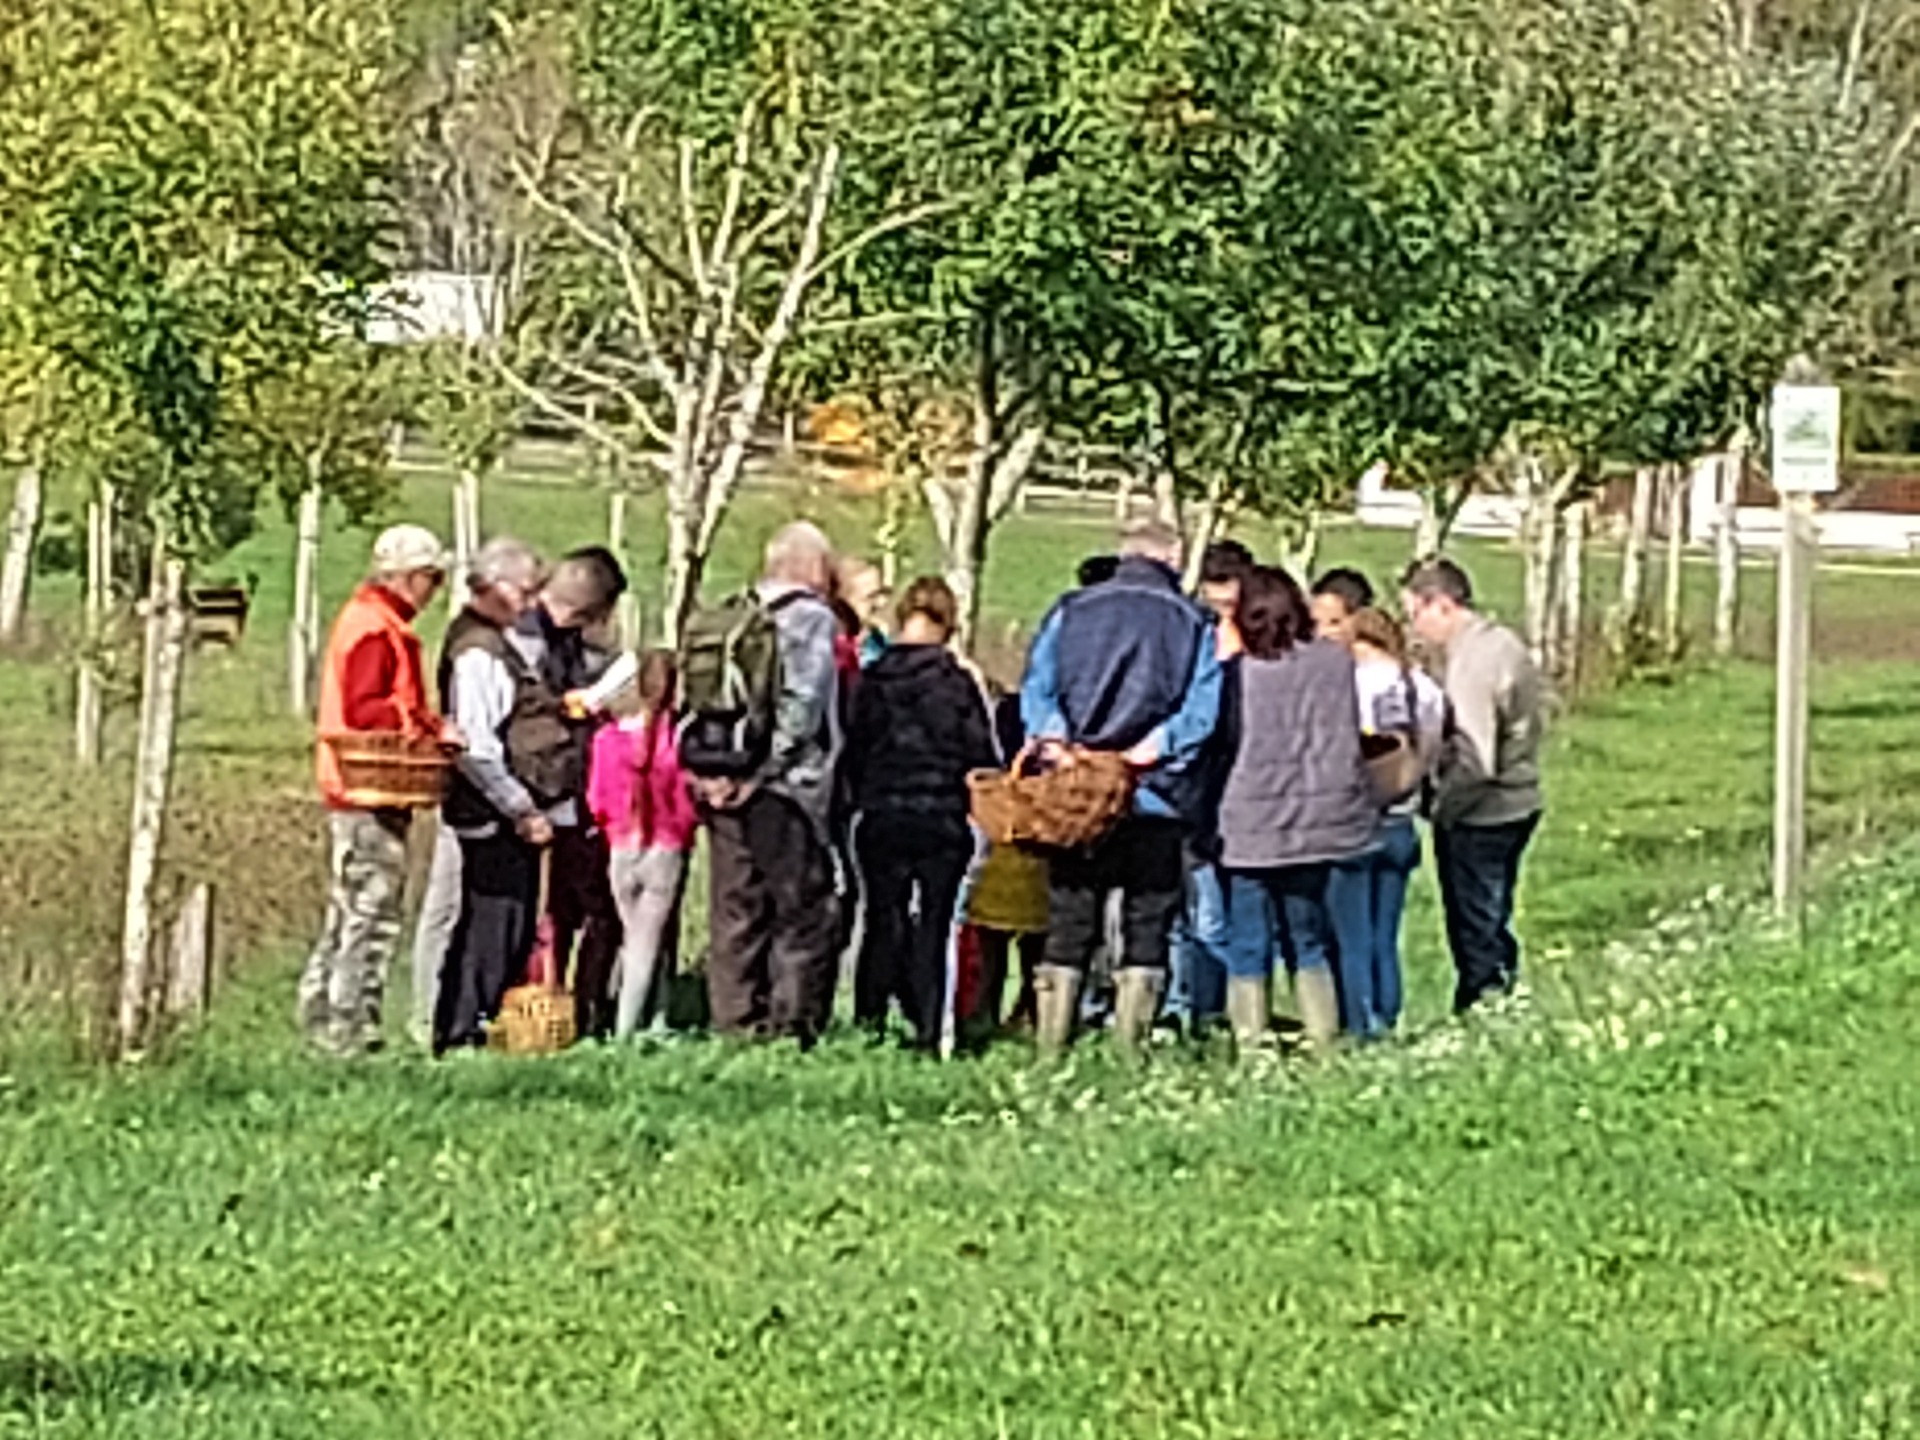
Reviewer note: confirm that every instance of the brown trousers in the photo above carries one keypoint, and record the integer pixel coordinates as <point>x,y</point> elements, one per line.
<point>774,919</point>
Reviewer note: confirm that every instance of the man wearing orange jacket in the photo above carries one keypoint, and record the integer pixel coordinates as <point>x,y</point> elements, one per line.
<point>373,680</point>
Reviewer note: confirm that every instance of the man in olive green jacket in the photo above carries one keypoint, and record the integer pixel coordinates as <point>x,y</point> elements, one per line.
<point>1486,798</point>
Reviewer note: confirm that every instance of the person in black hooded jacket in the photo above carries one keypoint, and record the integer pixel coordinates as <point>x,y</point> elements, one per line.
<point>919,725</point>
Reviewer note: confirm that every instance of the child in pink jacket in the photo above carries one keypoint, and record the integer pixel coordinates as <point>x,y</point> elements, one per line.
<point>639,797</point>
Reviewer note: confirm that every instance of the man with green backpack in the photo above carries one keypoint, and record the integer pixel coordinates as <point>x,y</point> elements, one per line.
<point>760,734</point>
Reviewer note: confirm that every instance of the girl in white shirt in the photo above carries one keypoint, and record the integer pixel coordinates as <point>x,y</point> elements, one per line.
<point>1394,699</point>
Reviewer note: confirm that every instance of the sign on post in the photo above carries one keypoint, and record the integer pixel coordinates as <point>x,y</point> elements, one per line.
<point>1806,462</point>
<point>1806,439</point>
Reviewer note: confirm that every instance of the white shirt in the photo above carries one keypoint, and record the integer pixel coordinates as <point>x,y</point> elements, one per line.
<point>1384,692</point>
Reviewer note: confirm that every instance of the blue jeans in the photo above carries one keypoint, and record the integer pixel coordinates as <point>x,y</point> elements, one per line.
<point>1318,908</point>
<point>1479,870</point>
<point>1197,989</point>
<point>1373,979</point>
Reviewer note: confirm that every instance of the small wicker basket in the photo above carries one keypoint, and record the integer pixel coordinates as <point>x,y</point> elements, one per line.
<point>999,806</point>
<point>533,1020</point>
<point>383,770</point>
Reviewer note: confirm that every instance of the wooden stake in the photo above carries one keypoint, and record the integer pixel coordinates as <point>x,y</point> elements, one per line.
<point>1797,561</point>
<point>466,536</point>
<point>16,570</point>
<point>627,607</point>
<point>88,701</point>
<point>1573,589</point>
<point>1676,557</point>
<point>1633,561</point>
<point>1726,555</point>
<point>190,955</point>
<point>303,638</point>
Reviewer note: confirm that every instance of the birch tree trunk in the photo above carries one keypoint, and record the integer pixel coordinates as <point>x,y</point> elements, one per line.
<point>684,560</point>
<point>1632,616</point>
<point>1426,535</point>
<point>1670,628</point>
<point>1570,624</point>
<point>16,572</point>
<point>89,701</point>
<point>153,768</point>
<point>303,638</point>
<point>1726,554</point>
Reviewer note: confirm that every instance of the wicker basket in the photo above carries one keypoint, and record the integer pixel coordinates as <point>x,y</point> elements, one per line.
<point>1000,806</point>
<point>381,770</point>
<point>533,1020</point>
<point>1068,807</point>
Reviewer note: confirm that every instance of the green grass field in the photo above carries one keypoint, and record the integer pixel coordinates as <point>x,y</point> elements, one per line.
<point>1676,1194</point>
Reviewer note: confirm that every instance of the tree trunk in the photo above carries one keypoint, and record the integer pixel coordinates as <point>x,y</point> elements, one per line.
<point>684,561</point>
<point>1300,546</point>
<point>303,637</point>
<point>1726,555</point>
<point>627,608</point>
<point>963,522</point>
<point>153,766</point>
<point>1632,617</point>
<point>466,535</point>
<point>89,702</point>
<point>1571,606</point>
<point>1206,519</point>
<point>1676,559</point>
<point>189,959</point>
<point>16,573</point>
<point>1540,535</point>
<point>1166,497</point>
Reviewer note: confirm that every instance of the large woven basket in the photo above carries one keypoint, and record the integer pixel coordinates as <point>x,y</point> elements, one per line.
<point>380,770</point>
<point>533,1020</point>
<point>1067,807</point>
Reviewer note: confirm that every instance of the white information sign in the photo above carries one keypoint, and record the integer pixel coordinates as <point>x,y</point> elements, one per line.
<point>1806,439</point>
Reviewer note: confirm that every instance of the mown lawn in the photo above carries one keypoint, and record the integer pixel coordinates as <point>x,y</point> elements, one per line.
<point>1695,1215</point>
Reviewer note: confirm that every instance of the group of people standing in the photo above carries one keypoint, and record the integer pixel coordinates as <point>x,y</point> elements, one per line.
<point>1283,748</point>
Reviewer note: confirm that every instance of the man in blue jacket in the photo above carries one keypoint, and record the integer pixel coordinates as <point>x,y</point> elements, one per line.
<point>1127,666</point>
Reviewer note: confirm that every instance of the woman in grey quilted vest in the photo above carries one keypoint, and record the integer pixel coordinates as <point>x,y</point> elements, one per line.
<point>1298,816</point>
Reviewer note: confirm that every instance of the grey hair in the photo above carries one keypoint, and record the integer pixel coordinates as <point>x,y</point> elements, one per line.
<point>503,560</point>
<point>796,549</point>
<point>1152,540</point>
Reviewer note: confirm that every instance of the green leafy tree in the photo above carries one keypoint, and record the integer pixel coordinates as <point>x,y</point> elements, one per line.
<point>210,216</point>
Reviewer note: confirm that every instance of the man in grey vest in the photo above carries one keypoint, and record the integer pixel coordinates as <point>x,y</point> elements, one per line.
<point>498,822</point>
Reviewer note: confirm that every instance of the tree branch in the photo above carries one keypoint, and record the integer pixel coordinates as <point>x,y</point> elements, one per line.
<point>542,401</point>
<point>690,216</point>
<point>625,394</point>
<point>1856,47</point>
<point>899,220</point>
<point>1010,470</point>
<point>753,394</point>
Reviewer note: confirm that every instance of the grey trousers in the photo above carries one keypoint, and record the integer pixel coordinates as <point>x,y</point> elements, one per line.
<point>646,887</point>
<point>433,932</point>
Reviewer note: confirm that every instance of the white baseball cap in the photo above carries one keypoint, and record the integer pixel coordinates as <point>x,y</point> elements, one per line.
<point>403,549</point>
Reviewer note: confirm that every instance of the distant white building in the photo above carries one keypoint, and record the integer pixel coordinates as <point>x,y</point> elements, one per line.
<point>434,305</point>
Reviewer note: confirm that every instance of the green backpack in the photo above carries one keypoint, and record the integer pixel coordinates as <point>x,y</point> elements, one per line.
<point>730,676</point>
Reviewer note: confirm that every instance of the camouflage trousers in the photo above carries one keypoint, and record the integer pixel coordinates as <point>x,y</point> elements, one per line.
<point>345,979</point>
